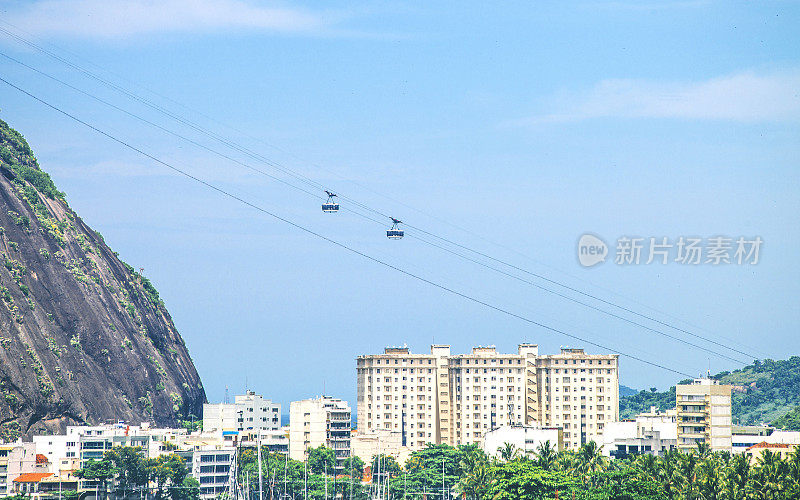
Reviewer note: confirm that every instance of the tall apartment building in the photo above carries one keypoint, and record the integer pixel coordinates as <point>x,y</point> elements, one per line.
<point>317,422</point>
<point>248,412</point>
<point>704,415</point>
<point>457,399</point>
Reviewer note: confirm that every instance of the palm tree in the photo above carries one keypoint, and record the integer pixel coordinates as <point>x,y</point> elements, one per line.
<point>737,474</point>
<point>476,477</point>
<point>710,478</point>
<point>687,471</point>
<point>567,462</point>
<point>546,455</point>
<point>770,476</point>
<point>590,459</point>
<point>793,463</point>
<point>508,451</point>
<point>647,465</point>
<point>703,449</point>
<point>669,475</point>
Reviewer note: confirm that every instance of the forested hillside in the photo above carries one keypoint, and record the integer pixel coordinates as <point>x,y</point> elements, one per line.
<point>765,391</point>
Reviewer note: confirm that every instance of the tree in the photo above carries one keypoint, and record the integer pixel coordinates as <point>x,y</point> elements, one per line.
<point>687,464</point>
<point>737,475</point>
<point>793,464</point>
<point>353,467</point>
<point>189,490</point>
<point>508,451</point>
<point>101,471</point>
<point>168,473</point>
<point>130,466</point>
<point>517,480</point>
<point>386,464</point>
<point>703,449</point>
<point>476,475</point>
<point>321,460</point>
<point>546,455</point>
<point>590,459</point>
<point>770,478</point>
<point>710,478</point>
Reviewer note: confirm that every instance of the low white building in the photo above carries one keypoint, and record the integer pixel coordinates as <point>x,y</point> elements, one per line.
<point>212,466</point>
<point>525,438</point>
<point>249,411</point>
<point>652,433</point>
<point>372,442</point>
<point>275,441</point>
<point>744,437</point>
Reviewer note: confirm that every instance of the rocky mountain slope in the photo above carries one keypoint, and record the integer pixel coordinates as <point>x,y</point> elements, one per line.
<point>83,337</point>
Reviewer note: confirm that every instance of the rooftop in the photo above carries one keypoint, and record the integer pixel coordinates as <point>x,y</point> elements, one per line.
<point>32,477</point>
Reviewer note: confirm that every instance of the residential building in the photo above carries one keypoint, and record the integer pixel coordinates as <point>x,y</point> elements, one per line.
<point>27,484</point>
<point>525,438</point>
<point>456,399</point>
<point>258,413</point>
<point>72,450</point>
<point>370,443</point>
<point>653,433</point>
<point>781,449</point>
<point>212,466</point>
<point>249,411</point>
<point>319,421</point>
<point>55,485</point>
<point>744,437</point>
<point>222,416</point>
<point>275,441</point>
<point>704,415</point>
<point>16,459</point>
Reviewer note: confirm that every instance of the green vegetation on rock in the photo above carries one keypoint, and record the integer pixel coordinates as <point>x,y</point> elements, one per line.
<point>789,421</point>
<point>762,392</point>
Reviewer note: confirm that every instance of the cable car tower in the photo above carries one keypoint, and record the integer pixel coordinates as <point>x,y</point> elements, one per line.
<point>330,206</point>
<point>395,233</point>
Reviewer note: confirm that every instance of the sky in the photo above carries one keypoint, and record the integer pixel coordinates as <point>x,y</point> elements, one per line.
<point>509,129</point>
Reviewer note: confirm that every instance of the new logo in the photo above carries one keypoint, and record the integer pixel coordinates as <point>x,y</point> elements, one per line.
<point>591,250</point>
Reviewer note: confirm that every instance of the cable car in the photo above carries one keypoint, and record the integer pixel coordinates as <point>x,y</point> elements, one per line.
<point>330,206</point>
<point>395,233</point>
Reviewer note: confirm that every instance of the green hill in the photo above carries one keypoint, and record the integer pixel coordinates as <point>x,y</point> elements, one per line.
<point>766,391</point>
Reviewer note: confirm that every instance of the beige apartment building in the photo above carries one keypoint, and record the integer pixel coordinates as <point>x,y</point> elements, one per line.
<point>704,415</point>
<point>457,399</point>
<point>317,422</point>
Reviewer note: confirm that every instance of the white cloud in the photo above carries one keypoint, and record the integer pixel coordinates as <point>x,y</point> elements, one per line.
<point>743,97</point>
<point>126,18</point>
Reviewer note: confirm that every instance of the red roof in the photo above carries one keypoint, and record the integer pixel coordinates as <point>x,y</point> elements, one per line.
<point>32,477</point>
<point>764,444</point>
<point>41,459</point>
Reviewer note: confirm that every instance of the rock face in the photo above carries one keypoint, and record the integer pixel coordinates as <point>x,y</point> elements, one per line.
<point>83,337</point>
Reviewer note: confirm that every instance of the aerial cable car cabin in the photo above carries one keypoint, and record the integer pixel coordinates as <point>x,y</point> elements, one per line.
<point>395,233</point>
<point>330,206</point>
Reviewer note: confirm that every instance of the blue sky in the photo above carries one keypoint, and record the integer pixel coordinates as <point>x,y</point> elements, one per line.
<point>528,125</point>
